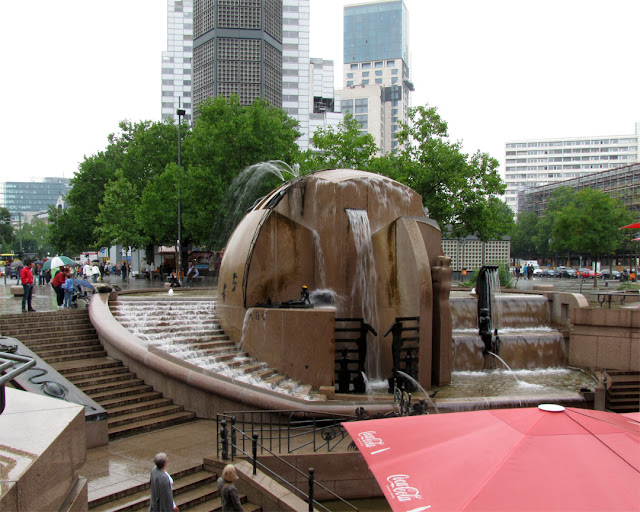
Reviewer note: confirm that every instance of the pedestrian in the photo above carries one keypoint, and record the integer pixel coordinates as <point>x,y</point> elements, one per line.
<point>68,291</point>
<point>57,284</point>
<point>173,280</point>
<point>192,273</point>
<point>95,272</point>
<point>87,271</point>
<point>124,270</point>
<point>147,270</point>
<point>161,482</point>
<point>26,276</point>
<point>227,490</point>
<point>530,272</point>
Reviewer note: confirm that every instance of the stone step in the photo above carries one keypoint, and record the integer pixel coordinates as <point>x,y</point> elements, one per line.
<point>126,418</point>
<point>102,380</point>
<point>143,405</point>
<point>112,387</point>
<point>48,328</point>
<point>53,352</point>
<point>97,363</point>
<point>83,374</point>
<point>113,403</point>
<point>43,316</point>
<point>215,505</point>
<point>275,380</point>
<point>135,390</point>
<point>36,340</point>
<point>97,503</point>
<point>265,373</point>
<point>73,344</point>
<point>150,424</point>
<point>72,357</point>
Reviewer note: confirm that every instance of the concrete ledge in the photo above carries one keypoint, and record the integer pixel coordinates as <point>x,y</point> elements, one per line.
<point>17,290</point>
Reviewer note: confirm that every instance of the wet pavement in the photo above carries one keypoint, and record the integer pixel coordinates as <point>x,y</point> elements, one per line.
<point>44,297</point>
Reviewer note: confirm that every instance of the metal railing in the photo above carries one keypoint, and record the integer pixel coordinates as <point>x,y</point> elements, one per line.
<point>227,438</point>
<point>8,360</point>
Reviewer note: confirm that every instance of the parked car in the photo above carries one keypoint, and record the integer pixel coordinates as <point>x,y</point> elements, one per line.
<point>547,272</point>
<point>587,272</point>
<point>537,271</point>
<point>566,272</point>
<point>614,274</point>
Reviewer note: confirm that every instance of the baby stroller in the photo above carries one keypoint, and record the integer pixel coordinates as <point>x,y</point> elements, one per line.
<point>81,296</point>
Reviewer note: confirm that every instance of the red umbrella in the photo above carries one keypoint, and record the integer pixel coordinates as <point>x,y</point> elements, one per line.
<point>632,226</point>
<point>505,460</point>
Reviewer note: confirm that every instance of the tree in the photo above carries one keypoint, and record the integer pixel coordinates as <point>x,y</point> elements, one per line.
<point>117,216</point>
<point>35,238</point>
<point>456,188</point>
<point>6,229</point>
<point>157,214</point>
<point>346,147</point>
<point>589,224</point>
<point>227,138</point>
<point>523,236</point>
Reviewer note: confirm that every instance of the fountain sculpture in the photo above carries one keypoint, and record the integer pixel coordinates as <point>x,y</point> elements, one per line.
<point>367,239</point>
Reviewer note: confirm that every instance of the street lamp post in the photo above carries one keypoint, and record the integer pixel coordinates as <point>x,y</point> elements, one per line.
<point>180,112</point>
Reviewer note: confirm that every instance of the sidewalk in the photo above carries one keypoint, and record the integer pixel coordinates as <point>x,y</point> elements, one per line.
<point>44,297</point>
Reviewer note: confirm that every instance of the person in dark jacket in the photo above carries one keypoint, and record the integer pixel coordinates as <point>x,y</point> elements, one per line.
<point>227,490</point>
<point>161,482</point>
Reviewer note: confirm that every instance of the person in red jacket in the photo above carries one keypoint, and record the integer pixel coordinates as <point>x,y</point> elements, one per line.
<point>26,276</point>
<point>58,281</point>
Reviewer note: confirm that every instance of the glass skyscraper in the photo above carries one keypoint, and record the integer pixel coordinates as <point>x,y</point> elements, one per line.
<point>376,69</point>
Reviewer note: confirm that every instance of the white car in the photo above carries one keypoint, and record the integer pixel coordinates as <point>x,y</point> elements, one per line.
<point>537,271</point>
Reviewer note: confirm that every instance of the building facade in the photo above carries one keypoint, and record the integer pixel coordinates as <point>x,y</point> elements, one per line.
<point>307,84</point>
<point>177,60</point>
<point>536,162</point>
<point>622,183</point>
<point>237,49</point>
<point>27,198</point>
<point>376,77</point>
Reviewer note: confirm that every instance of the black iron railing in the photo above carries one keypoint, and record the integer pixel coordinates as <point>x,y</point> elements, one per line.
<point>9,360</point>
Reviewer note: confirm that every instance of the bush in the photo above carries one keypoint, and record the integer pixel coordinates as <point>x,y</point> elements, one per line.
<point>629,286</point>
<point>506,279</point>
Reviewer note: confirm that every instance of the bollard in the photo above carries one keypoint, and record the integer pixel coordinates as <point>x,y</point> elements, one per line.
<point>233,437</point>
<point>223,440</point>
<point>311,472</point>
<point>254,449</point>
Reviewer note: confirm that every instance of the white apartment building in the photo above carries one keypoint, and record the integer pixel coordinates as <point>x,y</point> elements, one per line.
<point>177,60</point>
<point>307,84</point>
<point>377,85</point>
<point>529,163</point>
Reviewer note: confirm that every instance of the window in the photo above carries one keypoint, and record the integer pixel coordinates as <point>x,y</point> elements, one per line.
<point>366,65</point>
<point>365,74</point>
<point>379,64</point>
<point>365,82</point>
<point>394,71</point>
<point>379,80</point>
<point>391,63</point>
<point>394,80</point>
<point>349,75</point>
<point>378,72</point>
<point>354,66</point>
<point>349,83</point>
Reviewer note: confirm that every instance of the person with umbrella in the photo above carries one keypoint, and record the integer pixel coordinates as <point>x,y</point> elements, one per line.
<point>58,283</point>
<point>26,276</point>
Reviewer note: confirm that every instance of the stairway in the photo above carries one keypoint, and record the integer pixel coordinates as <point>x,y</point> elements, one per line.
<point>67,341</point>
<point>624,393</point>
<point>190,330</point>
<point>194,489</point>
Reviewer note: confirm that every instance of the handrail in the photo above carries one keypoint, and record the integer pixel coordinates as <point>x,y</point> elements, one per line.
<point>9,362</point>
<point>254,458</point>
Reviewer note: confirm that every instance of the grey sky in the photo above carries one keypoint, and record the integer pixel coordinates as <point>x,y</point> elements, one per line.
<point>496,70</point>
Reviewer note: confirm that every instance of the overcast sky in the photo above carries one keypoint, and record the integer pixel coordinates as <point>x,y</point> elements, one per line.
<point>496,71</point>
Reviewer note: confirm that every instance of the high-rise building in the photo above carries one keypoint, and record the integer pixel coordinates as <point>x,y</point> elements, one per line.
<point>237,49</point>
<point>307,84</point>
<point>30,197</point>
<point>534,162</point>
<point>177,60</point>
<point>376,68</point>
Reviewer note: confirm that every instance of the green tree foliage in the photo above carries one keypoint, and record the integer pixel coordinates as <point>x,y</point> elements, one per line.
<point>589,224</point>
<point>117,216</point>
<point>6,229</point>
<point>227,138</point>
<point>35,238</point>
<point>456,188</point>
<point>523,236</point>
<point>343,147</point>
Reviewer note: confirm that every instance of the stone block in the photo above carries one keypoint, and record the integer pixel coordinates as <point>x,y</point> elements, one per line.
<point>17,290</point>
<point>543,287</point>
<point>583,350</point>
<point>634,359</point>
<point>614,352</point>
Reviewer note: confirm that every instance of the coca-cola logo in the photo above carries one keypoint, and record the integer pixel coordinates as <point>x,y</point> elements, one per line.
<point>400,488</point>
<point>369,439</point>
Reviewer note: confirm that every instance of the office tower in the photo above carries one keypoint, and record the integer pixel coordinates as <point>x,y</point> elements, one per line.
<point>376,68</point>
<point>30,197</point>
<point>534,162</point>
<point>237,49</point>
<point>307,84</point>
<point>177,60</point>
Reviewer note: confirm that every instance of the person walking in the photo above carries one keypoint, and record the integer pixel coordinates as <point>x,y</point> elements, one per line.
<point>95,272</point>
<point>227,490</point>
<point>26,276</point>
<point>68,291</point>
<point>161,482</point>
<point>192,273</point>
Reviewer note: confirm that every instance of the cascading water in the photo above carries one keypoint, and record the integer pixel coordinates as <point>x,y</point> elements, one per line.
<point>364,284</point>
<point>319,259</point>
